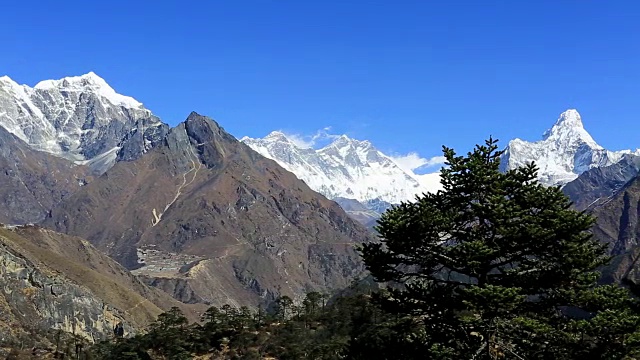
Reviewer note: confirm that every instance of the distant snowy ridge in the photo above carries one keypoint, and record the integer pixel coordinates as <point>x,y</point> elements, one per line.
<point>78,117</point>
<point>354,169</point>
<point>346,168</point>
<point>565,151</point>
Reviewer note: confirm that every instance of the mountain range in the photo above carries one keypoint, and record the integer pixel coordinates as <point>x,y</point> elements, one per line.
<point>188,212</point>
<point>346,168</point>
<point>190,216</point>
<point>349,169</point>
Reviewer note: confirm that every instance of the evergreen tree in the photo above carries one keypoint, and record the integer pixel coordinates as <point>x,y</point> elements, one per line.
<point>497,265</point>
<point>283,307</point>
<point>169,335</point>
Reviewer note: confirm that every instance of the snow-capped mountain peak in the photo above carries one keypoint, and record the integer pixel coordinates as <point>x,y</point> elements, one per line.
<point>78,117</point>
<point>278,136</point>
<point>345,168</point>
<point>570,118</point>
<point>89,82</point>
<point>568,129</point>
<point>565,151</point>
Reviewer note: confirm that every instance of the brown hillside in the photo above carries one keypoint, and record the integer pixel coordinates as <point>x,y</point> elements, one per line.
<point>209,220</point>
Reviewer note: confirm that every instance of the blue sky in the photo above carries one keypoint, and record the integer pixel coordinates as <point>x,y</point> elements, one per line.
<point>408,76</point>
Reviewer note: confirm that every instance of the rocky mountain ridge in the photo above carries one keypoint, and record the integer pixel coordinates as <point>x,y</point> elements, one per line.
<point>229,225</point>
<point>225,215</point>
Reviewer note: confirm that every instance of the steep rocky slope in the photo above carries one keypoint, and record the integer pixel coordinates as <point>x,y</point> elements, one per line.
<point>617,225</point>
<point>32,182</point>
<point>52,281</point>
<point>210,220</point>
<point>598,185</point>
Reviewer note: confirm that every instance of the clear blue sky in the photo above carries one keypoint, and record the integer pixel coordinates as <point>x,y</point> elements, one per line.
<point>409,76</point>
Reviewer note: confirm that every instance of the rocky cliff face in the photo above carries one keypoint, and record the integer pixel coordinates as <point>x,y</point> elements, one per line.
<point>617,225</point>
<point>79,118</point>
<point>51,281</point>
<point>212,221</point>
<point>596,186</point>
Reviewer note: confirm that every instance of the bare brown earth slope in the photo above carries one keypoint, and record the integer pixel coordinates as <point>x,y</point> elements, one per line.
<point>32,182</point>
<point>209,220</point>
<point>55,281</point>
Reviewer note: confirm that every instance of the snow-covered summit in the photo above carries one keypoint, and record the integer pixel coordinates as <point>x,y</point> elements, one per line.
<point>276,135</point>
<point>89,82</point>
<point>78,117</point>
<point>569,128</point>
<point>565,151</point>
<point>345,168</point>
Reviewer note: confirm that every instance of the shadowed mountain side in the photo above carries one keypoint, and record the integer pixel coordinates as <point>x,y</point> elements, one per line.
<point>210,220</point>
<point>617,225</point>
<point>596,186</point>
<point>33,181</point>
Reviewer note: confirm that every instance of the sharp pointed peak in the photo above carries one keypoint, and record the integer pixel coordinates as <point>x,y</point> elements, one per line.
<point>7,81</point>
<point>569,126</point>
<point>570,117</point>
<point>194,116</point>
<point>341,140</point>
<point>91,74</point>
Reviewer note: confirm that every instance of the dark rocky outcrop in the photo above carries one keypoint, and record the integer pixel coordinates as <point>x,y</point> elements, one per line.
<point>617,226</point>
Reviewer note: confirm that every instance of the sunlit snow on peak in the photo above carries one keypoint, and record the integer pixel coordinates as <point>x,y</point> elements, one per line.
<point>565,151</point>
<point>74,117</point>
<point>345,168</point>
<point>89,82</point>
